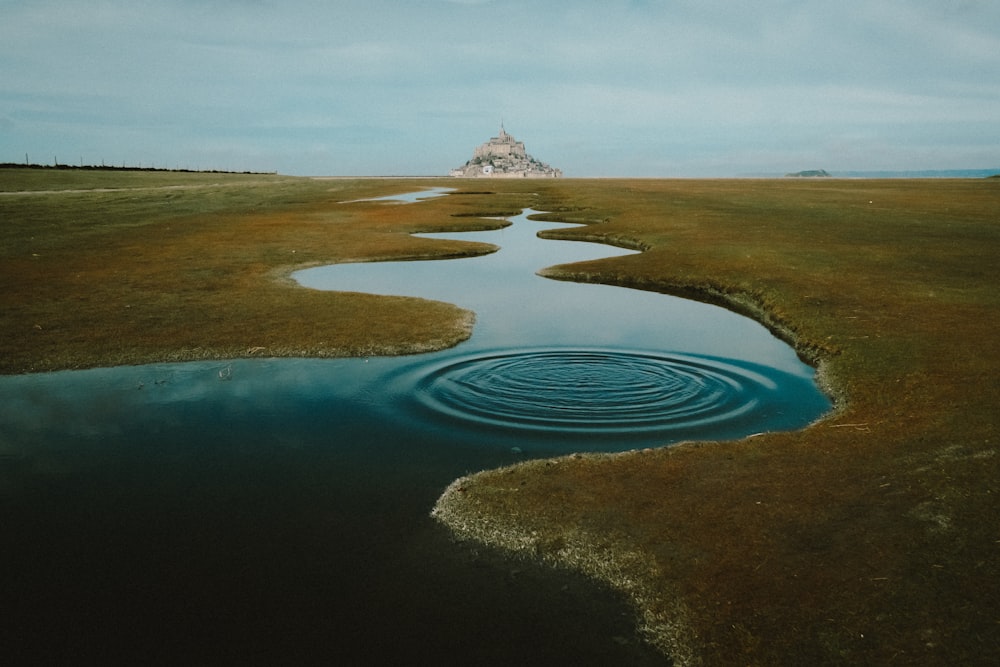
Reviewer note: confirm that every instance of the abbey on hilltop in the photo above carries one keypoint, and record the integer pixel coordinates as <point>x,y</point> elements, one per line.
<point>504,157</point>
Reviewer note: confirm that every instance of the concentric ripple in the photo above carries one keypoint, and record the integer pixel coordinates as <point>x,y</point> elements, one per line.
<point>598,391</point>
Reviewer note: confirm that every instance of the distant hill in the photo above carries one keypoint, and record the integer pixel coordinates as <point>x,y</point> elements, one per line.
<point>810,173</point>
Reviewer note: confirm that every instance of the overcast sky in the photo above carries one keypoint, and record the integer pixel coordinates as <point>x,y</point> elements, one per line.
<point>594,87</point>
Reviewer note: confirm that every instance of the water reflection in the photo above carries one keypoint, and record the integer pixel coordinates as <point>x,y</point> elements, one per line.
<point>515,307</point>
<point>275,511</point>
<point>408,197</point>
<point>561,366</point>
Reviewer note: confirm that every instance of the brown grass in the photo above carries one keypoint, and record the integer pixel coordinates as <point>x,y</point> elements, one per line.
<point>162,270</point>
<point>869,538</point>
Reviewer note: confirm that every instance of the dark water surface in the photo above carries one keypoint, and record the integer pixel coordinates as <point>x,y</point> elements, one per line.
<point>276,511</point>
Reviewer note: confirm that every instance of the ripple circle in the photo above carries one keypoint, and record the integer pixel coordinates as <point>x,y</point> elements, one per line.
<point>577,390</point>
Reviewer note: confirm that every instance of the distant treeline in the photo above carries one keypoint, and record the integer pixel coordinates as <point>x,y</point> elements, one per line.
<point>103,167</point>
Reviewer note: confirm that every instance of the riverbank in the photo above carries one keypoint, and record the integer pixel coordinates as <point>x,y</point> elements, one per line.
<point>868,537</point>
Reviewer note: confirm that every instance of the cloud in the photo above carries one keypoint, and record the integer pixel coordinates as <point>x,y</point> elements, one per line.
<point>635,88</point>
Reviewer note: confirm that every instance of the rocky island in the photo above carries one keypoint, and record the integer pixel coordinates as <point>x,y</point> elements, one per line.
<point>504,157</point>
<point>810,173</point>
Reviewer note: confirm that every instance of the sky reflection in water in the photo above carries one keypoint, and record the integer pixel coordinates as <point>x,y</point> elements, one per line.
<point>579,349</point>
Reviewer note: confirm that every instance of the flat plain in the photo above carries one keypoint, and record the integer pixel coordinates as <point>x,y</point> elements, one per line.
<point>870,537</point>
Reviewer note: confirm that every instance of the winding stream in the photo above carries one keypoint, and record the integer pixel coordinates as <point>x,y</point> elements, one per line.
<point>555,367</point>
<point>271,510</point>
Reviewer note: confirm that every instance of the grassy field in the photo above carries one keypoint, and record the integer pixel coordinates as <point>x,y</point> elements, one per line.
<point>116,268</point>
<point>872,537</point>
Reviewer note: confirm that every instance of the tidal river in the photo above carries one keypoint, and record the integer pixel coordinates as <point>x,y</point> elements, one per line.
<point>276,511</point>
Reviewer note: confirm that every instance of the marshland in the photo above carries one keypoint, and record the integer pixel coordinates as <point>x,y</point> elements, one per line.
<point>868,536</point>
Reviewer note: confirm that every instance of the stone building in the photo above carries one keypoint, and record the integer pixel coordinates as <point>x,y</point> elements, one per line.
<point>504,157</point>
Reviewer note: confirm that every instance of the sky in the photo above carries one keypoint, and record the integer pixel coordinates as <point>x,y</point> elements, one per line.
<point>597,88</point>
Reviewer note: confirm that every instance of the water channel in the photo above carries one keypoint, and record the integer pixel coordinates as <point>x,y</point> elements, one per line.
<point>266,510</point>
